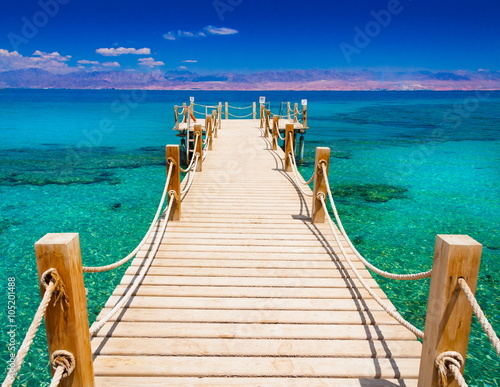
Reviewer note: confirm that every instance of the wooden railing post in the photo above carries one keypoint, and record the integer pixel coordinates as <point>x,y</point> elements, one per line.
<point>449,314</point>
<point>261,116</point>
<point>209,129</point>
<point>227,110</point>
<point>289,143</point>
<point>66,319</point>
<point>199,147</point>
<point>176,116</point>
<point>275,132</point>
<point>214,122</point>
<point>304,116</point>
<point>219,116</point>
<point>254,110</point>
<point>266,130</point>
<point>174,157</point>
<point>322,156</point>
<point>288,110</point>
<point>185,112</point>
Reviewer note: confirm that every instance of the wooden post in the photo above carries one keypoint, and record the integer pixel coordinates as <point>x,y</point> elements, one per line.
<point>304,117</point>
<point>295,112</point>
<point>288,110</point>
<point>66,319</point>
<point>176,116</point>
<point>227,110</point>
<point>173,157</point>
<point>322,156</point>
<point>215,122</point>
<point>185,112</point>
<point>266,130</point>
<point>219,116</point>
<point>209,132</point>
<point>199,147</point>
<point>449,314</point>
<point>254,110</point>
<point>261,117</point>
<point>289,142</point>
<point>275,132</point>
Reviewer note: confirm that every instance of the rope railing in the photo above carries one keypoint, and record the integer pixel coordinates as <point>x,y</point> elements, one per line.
<point>245,116</point>
<point>96,326</point>
<point>98,269</point>
<point>190,166</point>
<point>241,108</point>
<point>373,268</point>
<point>298,174</point>
<point>483,320</point>
<point>388,308</point>
<point>192,173</point>
<point>54,287</point>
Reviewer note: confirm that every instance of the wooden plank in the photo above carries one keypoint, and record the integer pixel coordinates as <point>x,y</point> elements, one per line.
<point>253,316</point>
<point>249,330</point>
<point>260,366</point>
<point>107,381</point>
<point>255,347</point>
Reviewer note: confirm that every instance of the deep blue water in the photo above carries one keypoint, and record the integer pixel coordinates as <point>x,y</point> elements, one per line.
<point>405,166</point>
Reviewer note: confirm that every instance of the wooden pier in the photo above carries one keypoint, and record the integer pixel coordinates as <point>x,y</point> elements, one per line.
<point>246,286</point>
<point>244,279</point>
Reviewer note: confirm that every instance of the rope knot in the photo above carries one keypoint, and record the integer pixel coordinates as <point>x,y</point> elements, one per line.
<point>65,360</point>
<point>52,277</point>
<point>448,364</point>
<point>174,194</point>
<point>321,196</point>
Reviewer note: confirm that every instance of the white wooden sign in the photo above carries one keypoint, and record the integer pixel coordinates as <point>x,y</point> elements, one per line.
<point>191,99</point>
<point>304,102</point>
<point>262,100</point>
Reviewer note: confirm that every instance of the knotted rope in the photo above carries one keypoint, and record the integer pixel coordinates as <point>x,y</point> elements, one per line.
<point>64,364</point>
<point>449,364</point>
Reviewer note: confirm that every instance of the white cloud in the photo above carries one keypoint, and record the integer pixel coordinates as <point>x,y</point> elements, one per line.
<point>111,64</point>
<point>189,61</point>
<point>53,62</point>
<point>182,68</point>
<point>208,30</point>
<point>88,62</point>
<point>123,51</point>
<point>150,62</point>
<point>220,30</point>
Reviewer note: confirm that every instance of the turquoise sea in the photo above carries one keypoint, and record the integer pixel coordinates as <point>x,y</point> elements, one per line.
<point>405,166</point>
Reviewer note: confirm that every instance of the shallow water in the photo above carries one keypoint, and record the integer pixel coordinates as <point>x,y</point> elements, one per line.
<point>405,167</point>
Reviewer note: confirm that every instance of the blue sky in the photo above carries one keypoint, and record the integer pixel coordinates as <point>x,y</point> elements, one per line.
<point>249,35</point>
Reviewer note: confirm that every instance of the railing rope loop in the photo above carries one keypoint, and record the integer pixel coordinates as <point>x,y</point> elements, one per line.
<point>63,360</point>
<point>448,364</point>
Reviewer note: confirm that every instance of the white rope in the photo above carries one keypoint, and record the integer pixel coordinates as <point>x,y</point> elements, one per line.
<point>54,287</point>
<point>235,116</point>
<point>388,308</point>
<point>241,108</point>
<point>476,308</point>
<point>279,135</point>
<point>296,174</point>
<point>190,167</point>
<point>302,180</point>
<point>449,364</point>
<point>64,363</point>
<point>96,326</point>
<point>404,277</point>
<point>98,269</point>
<point>190,180</point>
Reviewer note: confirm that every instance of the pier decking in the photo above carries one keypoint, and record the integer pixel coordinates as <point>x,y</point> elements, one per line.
<point>246,291</point>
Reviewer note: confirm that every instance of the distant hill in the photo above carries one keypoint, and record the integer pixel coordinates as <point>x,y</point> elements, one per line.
<point>267,80</point>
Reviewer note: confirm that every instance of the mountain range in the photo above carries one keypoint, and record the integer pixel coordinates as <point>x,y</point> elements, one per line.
<point>267,80</point>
